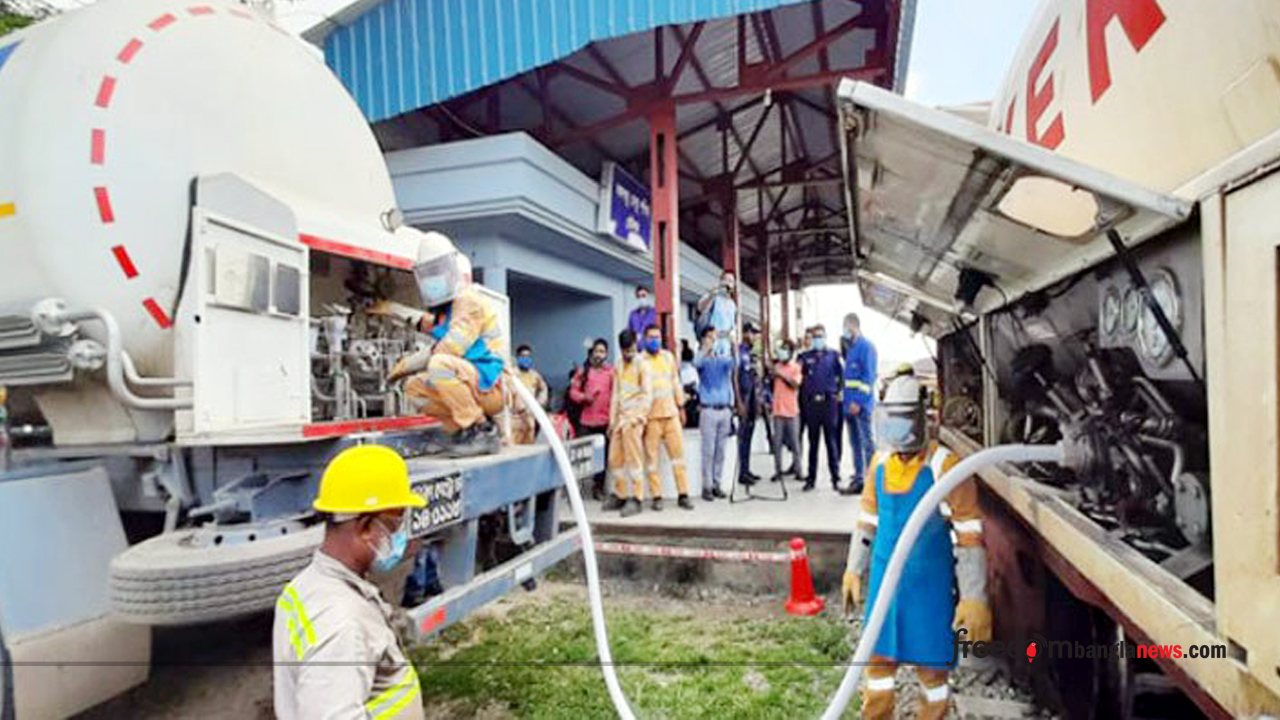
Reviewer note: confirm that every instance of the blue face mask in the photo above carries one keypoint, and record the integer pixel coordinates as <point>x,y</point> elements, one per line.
<point>819,342</point>
<point>390,551</point>
<point>722,348</point>
<point>653,345</point>
<point>899,433</point>
<point>525,363</point>
<point>784,355</point>
<point>434,290</point>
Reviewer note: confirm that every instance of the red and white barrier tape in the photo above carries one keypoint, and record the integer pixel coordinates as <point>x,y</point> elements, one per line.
<point>691,553</point>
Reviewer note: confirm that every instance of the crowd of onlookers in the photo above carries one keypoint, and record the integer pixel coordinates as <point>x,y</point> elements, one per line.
<point>802,392</point>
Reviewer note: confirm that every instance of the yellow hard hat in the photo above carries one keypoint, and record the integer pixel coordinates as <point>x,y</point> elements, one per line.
<point>366,478</point>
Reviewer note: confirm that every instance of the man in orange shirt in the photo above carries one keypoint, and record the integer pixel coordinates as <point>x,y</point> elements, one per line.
<point>629,406</point>
<point>666,418</point>
<point>786,409</point>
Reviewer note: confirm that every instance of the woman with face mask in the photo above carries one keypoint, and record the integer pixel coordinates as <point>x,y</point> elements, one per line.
<point>592,390</point>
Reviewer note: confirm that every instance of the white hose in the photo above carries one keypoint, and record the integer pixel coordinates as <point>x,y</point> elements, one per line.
<point>588,546</point>
<point>915,523</point>
<point>888,585</point>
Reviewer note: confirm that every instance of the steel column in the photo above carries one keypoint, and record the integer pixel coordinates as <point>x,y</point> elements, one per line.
<point>766,294</point>
<point>665,189</point>
<point>786,296</point>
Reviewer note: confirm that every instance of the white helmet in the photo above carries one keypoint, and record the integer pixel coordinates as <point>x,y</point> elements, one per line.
<point>442,271</point>
<point>902,415</point>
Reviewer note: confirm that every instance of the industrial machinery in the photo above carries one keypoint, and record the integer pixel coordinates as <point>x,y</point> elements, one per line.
<point>194,217</point>
<point>1097,263</point>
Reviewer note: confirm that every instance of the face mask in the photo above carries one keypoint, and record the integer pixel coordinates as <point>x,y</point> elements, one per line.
<point>644,301</point>
<point>596,361</point>
<point>722,347</point>
<point>435,290</point>
<point>525,363</point>
<point>819,342</point>
<point>390,551</point>
<point>652,344</point>
<point>898,432</point>
<point>784,355</point>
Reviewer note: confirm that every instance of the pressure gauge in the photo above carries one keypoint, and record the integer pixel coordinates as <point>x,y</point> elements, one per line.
<point>1130,309</point>
<point>1111,311</point>
<point>1152,340</point>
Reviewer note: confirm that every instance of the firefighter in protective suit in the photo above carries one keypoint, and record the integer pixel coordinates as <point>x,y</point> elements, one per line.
<point>458,380</point>
<point>919,627</point>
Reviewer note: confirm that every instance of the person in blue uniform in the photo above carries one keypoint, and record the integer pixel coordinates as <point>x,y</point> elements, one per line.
<point>943,584</point>
<point>859,397</point>
<point>749,400</point>
<point>820,405</point>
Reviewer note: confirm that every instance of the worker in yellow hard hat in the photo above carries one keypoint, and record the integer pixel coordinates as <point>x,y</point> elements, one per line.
<point>335,652</point>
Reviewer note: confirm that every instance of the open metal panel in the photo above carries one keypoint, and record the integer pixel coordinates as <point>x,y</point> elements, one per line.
<point>937,193</point>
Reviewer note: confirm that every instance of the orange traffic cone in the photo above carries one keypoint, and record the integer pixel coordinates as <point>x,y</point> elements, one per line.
<point>802,601</point>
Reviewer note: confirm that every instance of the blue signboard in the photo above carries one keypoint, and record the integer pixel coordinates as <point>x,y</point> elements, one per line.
<point>626,211</point>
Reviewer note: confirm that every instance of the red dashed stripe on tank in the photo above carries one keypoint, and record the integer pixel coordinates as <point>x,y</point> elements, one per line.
<point>126,263</point>
<point>98,145</point>
<point>158,313</point>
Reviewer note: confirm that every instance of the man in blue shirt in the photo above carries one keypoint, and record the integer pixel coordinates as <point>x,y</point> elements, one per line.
<point>716,394</point>
<point>820,405</point>
<point>860,363</point>
<point>717,309</point>
<point>749,400</point>
<point>644,315</point>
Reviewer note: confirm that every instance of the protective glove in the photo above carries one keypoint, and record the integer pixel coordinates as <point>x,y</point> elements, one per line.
<point>851,592</point>
<point>391,308</point>
<point>974,616</point>
<point>414,362</point>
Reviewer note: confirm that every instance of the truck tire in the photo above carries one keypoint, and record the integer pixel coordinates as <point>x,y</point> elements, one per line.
<point>180,578</point>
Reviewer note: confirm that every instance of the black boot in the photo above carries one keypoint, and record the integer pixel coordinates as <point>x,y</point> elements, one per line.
<point>613,503</point>
<point>479,439</point>
<point>633,507</point>
<point>657,504</point>
<point>684,502</point>
<point>809,483</point>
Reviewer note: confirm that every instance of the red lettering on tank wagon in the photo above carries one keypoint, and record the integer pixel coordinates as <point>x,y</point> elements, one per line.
<point>1139,18</point>
<point>1039,100</point>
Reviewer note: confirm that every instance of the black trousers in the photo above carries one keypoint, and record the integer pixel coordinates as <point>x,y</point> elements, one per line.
<point>822,420</point>
<point>588,430</point>
<point>746,431</point>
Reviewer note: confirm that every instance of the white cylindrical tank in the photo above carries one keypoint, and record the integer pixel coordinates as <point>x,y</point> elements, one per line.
<point>109,112</point>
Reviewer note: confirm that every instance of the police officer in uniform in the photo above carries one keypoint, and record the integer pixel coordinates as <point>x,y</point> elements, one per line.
<point>749,400</point>
<point>820,396</point>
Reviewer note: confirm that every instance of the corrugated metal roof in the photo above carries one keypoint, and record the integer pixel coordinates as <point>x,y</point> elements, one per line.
<point>406,54</point>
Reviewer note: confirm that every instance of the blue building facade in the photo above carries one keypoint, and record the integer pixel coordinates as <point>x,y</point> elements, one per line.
<point>527,218</point>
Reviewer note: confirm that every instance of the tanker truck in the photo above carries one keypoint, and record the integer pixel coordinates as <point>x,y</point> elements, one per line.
<point>193,217</point>
<point>1096,255</point>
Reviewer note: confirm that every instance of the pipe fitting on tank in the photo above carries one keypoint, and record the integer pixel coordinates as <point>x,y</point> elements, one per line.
<point>87,355</point>
<point>51,317</point>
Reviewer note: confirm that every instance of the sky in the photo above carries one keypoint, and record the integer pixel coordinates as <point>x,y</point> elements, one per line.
<point>959,55</point>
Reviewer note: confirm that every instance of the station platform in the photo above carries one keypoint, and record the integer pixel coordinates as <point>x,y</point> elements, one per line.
<point>820,514</point>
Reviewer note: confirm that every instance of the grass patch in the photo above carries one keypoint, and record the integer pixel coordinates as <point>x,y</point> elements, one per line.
<point>697,661</point>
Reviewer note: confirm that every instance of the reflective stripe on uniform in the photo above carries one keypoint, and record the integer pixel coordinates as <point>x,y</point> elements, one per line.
<point>936,694</point>
<point>392,700</point>
<point>871,519</point>
<point>967,526</point>
<point>857,385</point>
<point>937,463</point>
<point>880,684</point>
<point>301,633</point>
